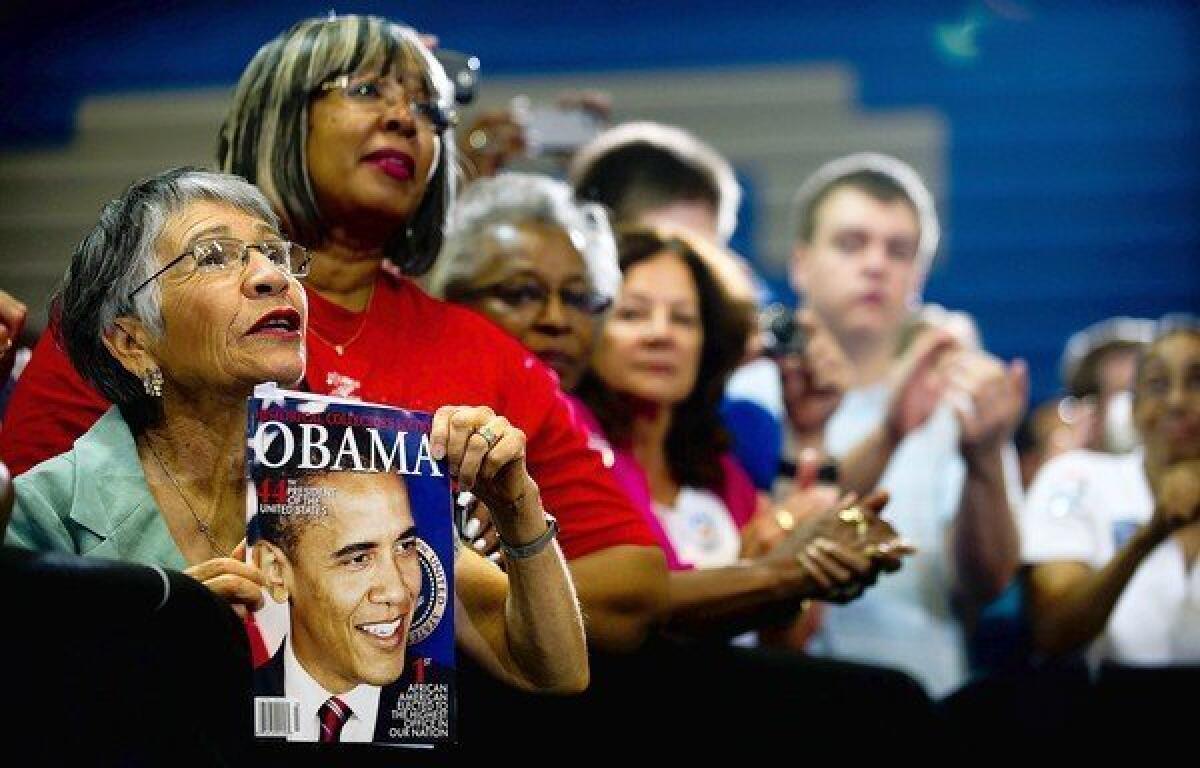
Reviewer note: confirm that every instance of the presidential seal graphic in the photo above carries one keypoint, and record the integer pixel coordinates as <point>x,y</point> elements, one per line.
<point>435,594</point>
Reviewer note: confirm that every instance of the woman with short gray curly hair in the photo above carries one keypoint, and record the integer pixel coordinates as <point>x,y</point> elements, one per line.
<point>109,277</point>
<point>523,252</point>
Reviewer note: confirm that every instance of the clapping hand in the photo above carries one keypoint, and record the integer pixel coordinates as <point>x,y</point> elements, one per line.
<point>843,549</point>
<point>988,398</point>
<point>918,382</point>
<point>1176,495</point>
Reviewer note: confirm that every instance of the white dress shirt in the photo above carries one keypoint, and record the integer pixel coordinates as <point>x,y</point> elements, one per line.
<point>363,701</point>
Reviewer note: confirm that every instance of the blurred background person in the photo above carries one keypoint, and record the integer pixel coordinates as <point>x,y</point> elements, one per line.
<point>866,234</point>
<point>1112,539</point>
<point>1096,413</point>
<point>522,252</point>
<point>651,174</point>
<point>1098,370</point>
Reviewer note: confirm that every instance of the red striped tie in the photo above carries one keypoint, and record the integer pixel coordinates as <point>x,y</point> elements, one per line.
<point>333,714</point>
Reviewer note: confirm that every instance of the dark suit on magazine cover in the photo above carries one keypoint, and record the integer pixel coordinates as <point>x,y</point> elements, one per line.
<point>269,680</point>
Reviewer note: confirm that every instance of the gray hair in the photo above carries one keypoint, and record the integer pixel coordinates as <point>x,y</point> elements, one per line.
<point>518,198</point>
<point>856,169</point>
<point>119,254</point>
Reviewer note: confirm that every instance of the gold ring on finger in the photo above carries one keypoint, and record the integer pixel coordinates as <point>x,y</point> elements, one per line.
<point>853,516</point>
<point>784,519</point>
<point>488,435</point>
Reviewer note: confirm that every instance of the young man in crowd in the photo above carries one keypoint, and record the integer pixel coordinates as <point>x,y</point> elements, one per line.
<point>867,232</point>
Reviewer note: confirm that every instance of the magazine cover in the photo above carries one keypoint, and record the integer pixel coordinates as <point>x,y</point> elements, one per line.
<point>349,520</point>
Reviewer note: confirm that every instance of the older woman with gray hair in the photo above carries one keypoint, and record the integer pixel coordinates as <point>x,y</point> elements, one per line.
<point>521,250</point>
<point>179,301</point>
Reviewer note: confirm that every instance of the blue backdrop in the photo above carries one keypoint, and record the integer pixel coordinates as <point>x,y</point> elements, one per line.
<point>1074,128</point>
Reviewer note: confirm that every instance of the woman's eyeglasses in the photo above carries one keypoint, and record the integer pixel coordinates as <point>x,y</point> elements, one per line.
<point>531,296</point>
<point>221,252</point>
<point>374,92</point>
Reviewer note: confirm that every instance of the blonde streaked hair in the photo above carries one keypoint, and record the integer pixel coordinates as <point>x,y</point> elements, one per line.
<point>264,134</point>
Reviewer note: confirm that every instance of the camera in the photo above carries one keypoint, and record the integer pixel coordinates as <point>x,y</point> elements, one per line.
<point>463,71</point>
<point>782,335</point>
<point>554,130</point>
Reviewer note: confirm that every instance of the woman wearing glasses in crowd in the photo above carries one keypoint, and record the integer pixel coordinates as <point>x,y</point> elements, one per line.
<point>344,124</point>
<point>180,300</point>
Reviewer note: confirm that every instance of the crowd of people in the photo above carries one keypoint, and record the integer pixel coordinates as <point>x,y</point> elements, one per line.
<point>676,502</point>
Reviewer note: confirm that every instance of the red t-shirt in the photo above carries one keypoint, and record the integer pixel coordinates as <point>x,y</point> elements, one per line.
<point>411,351</point>
<point>51,405</point>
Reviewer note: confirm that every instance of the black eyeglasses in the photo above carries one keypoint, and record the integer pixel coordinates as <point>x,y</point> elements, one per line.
<point>221,252</point>
<point>530,297</point>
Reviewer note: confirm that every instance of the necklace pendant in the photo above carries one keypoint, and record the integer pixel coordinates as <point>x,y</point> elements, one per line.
<point>339,349</point>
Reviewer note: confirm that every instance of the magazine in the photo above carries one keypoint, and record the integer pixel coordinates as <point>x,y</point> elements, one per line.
<point>349,520</point>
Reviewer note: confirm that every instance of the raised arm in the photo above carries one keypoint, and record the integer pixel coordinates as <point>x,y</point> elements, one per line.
<point>524,626</point>
<point>989,398</point>
<point>917,384</point>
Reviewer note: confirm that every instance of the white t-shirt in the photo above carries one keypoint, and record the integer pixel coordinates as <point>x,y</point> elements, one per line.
<point>700,528</point>
<point>1083,507</point>
<point>906,621</point>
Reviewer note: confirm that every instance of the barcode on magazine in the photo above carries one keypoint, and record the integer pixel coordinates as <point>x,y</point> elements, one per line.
<point>276,717</point>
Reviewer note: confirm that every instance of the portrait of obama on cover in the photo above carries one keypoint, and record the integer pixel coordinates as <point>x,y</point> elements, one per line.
<point>345,561</point>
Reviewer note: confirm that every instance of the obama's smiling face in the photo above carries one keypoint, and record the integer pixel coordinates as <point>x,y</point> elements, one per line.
<point>353,578</point>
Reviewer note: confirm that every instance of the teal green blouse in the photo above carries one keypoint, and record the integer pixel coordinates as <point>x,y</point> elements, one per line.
<point>93,500</point>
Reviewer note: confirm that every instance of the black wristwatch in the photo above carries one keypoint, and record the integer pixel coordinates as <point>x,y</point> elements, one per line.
<point>524,551</point>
